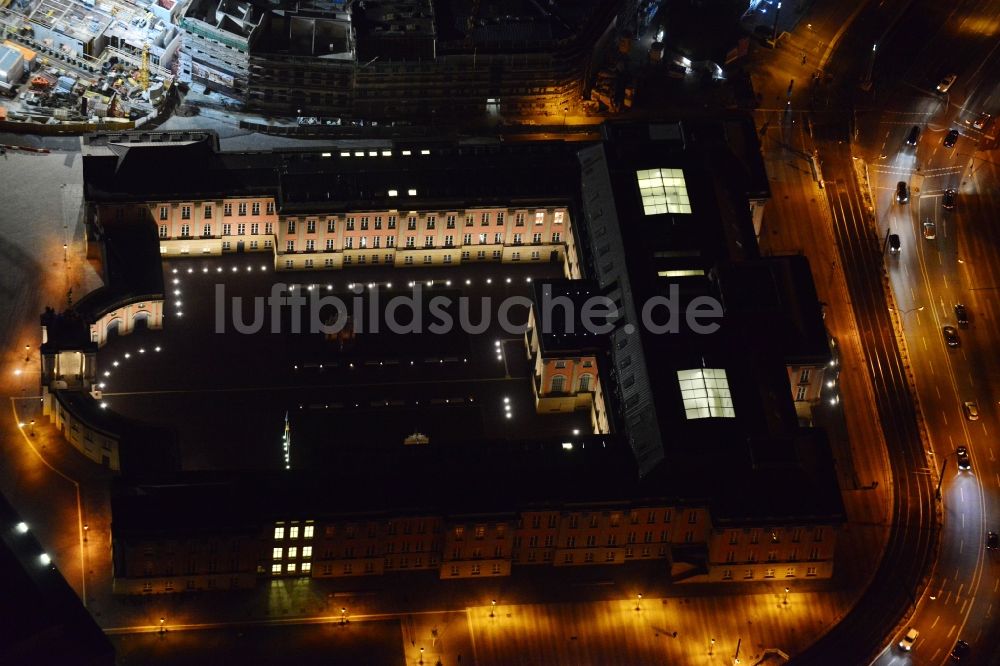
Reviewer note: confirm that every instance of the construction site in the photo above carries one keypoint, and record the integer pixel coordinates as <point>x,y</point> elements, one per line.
<point>71,62</point>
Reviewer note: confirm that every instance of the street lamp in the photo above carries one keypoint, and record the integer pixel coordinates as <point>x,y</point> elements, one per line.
<point>785,602</point>
<point>32,427</point>
<point>27,353</point>
<point>638,598</point>
<point>493,607</point>
<point>162,628</point>
<point>86,528</point>
<point>343,616</point>
<point>903,313</point>
<point>774,30</point>
<point>711,647</point>
<point>421,655</point>
<point>944,466</point>
<point>871,68</point>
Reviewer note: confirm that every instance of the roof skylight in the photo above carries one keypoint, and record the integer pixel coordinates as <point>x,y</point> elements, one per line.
<point>663,191</point>
<point>705,392</point>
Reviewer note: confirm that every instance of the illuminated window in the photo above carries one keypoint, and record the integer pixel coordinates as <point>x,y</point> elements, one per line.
<point>705,392</point>
<point>277,553</point>
<point>276,568</point>
<point>307,532</point>
<point>279,532</point>
<point>290,568</point>
<point>293,532</point>
<point>306,567</point>
<point>307,551</point>
<point>293,551</point>
<point>681,273</point>
<point>663,191</point>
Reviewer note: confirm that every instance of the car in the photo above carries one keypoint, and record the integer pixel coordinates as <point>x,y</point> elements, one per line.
<point>902,192</point>
<point>962,456</point>
<point>971,410</point>
<point>948,200</point>
<point>893,243</point>
<point>951,139</point>
<point>930,230</point>
<point>960,651</point>
<point>913,136</point>
<point>961,314</point>
<point>950,336</point>
<point>981,120</point>
<point>945,84</point>
<point>992,541</point>
<point>906,644</point>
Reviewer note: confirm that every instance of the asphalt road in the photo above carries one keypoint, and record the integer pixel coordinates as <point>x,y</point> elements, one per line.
<point>918,44</point>
<point>959,265</point>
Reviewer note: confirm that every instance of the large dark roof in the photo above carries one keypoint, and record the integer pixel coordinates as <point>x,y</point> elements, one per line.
<point>44,621</point>
<point>132,166</point>
<point>331,179</point>
<point>450,176</point>
<point>66,331</point>
<point>130,262</point>
<point>476,478</point>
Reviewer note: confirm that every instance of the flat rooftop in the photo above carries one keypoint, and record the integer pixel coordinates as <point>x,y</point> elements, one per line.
<point>226,393</point>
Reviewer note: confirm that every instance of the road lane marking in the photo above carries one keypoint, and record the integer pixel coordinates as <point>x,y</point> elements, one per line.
<point>934,624</point>
<point>945,417</point>
<point>951,632</point>
<point>961,493</point>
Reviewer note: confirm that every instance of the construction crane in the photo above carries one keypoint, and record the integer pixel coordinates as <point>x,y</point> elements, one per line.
<point>142,78</point>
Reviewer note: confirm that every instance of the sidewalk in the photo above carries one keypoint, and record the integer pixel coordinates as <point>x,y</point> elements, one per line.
<point>797,220</point>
